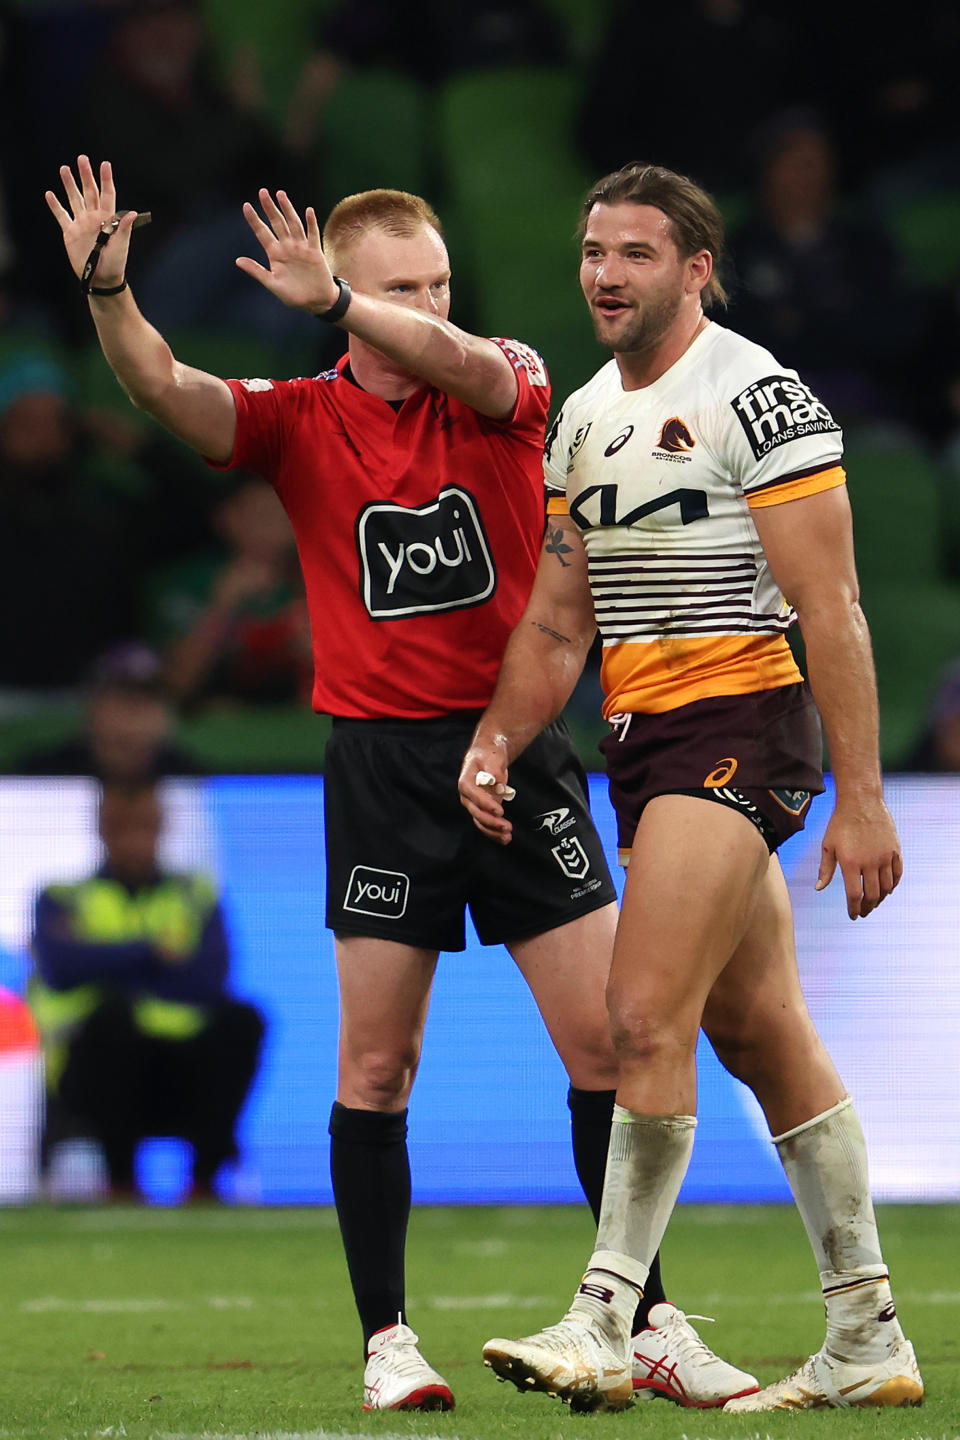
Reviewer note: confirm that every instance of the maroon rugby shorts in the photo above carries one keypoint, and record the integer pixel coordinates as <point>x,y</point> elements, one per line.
<point>760,754</point>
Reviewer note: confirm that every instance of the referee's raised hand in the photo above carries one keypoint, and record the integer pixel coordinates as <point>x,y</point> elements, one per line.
<point>92,205</point>
<point>296,270</point>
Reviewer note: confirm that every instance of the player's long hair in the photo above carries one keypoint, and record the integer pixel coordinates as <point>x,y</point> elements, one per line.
<point>695,221</point>
<point>395,211</point>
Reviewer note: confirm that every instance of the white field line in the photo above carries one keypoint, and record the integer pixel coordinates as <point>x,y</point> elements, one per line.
<point>499,1300</point>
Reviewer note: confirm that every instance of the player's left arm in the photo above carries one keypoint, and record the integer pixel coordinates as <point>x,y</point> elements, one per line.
<point>808,543</point>
<point>468,367</point>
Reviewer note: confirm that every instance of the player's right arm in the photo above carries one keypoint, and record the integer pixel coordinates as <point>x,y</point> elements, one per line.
<point>541,666</point>
<point>198,408</point>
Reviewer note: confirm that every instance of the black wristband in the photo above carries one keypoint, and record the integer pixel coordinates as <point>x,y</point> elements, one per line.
<point>106,289</point>
<point>93,259</point>
<point>339,307</point>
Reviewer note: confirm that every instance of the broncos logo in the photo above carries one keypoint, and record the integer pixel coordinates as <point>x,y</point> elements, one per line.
<point>675,437</point>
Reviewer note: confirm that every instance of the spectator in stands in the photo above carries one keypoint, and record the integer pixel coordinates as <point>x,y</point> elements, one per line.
<point>66,578</point>
<point>140,1033</point>
<point>236,623</point>
<point>937,747</point>
<point>127,736</point>
<point>819,288</point>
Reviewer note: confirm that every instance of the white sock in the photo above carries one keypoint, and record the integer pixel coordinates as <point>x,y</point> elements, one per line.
<point>646,1163</point>
<point>826,1163</point>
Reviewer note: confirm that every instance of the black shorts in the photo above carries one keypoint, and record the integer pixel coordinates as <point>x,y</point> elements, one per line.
<point>404,859</point>
<point>760,754</point>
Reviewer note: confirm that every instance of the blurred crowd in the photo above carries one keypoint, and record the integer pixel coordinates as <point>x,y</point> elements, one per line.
<point>150,585</point>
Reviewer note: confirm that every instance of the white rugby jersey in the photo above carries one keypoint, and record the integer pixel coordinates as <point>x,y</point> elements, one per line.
<point>661,482</point>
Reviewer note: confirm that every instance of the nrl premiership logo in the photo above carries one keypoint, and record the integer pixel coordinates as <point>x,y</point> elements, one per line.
<point>572,858</point>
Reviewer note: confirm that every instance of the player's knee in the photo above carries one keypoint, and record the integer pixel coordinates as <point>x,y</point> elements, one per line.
<point>641,1037</point>
<point>379,1080</point>
<point>591,1060</point>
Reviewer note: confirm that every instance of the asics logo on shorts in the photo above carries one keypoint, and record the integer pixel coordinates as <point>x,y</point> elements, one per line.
<point>424,558</point>
<point>723,771</point>
<point>377,892</point>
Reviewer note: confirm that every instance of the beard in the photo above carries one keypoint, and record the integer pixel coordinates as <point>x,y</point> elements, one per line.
<point>646,326</point>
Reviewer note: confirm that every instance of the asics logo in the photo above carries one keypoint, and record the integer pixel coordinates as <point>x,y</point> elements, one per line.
<point>723,771</point>
<point>618,441</point>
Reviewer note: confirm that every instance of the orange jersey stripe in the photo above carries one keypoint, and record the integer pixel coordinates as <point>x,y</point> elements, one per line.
<point>557,505</point>
<point>659,675</point>
<point>796,489</point>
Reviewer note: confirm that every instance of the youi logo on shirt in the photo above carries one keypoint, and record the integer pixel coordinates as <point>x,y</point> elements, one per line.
<point>416,560</point>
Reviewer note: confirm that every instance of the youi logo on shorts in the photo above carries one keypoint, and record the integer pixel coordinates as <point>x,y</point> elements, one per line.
<point>556,821</point>
<point>415,560</point>
<point>377,892</point>
<point>777,409</point>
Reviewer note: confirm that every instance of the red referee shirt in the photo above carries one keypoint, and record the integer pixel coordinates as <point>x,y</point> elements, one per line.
<point>418,529</point>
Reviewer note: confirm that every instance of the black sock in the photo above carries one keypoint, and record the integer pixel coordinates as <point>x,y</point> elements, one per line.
<point>591,1112</point>
<point>371,1186</point>
<point>590,1115</point>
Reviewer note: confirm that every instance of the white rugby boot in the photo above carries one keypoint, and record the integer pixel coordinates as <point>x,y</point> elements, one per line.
<point>825,1383</point>
<point>571,1361</point>
<point>398,1378</point>
<point>670,1359</point>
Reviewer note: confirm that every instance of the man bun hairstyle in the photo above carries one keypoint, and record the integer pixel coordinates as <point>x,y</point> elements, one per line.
<point>394,211</point>
<point>695,222</point>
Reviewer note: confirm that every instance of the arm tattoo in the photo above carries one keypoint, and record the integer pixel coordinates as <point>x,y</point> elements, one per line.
<point>554,545</point>
<point>554,634</point>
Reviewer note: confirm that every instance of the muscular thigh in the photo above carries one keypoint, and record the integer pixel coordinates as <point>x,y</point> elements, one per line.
<point>695,873</point>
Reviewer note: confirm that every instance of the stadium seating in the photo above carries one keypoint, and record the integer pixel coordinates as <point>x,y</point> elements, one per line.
<point>926,229</point>
<point>515,187</point>
<point>583,25</point>
<point>895,494</point>
<point>374,133</point>
<point>912,609</point>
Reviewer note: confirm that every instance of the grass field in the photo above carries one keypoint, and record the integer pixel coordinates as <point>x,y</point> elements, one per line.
<point>238,1322</point>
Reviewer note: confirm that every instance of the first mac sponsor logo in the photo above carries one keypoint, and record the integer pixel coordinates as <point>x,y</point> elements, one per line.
<point>377,892</point>
<point>415,560</point>
<point>777,409</point>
